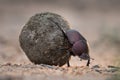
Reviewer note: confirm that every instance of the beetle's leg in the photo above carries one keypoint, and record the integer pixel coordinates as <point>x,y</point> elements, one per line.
<point>68,64</point>
<point>68,52</point>
<point>88,62</point>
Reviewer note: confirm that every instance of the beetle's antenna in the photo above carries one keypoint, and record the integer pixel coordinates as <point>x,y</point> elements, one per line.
<point>58,26</point>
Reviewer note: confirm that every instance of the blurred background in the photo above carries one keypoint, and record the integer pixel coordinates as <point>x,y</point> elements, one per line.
<point>97,20</point>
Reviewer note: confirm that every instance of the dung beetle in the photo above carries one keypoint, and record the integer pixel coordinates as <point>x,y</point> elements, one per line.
<point>78,44</point>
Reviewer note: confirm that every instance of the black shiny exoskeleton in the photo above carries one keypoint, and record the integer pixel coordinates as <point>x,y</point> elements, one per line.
<point>79,45</point>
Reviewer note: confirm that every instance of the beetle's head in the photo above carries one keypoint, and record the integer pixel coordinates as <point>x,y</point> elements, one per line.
<point>84,56</point>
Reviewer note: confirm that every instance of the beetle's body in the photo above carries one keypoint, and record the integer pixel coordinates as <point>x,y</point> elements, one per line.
<point>79,46</point>
<point>74,36</point>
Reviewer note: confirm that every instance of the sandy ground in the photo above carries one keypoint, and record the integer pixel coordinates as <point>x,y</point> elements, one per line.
<point>46,72</point>
<point>91,21</point>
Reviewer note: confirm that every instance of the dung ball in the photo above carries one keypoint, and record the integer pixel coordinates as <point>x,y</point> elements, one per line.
<point>42,40</point>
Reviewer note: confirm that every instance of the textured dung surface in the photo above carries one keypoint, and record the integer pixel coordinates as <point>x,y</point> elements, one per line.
<point>42,41</point>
